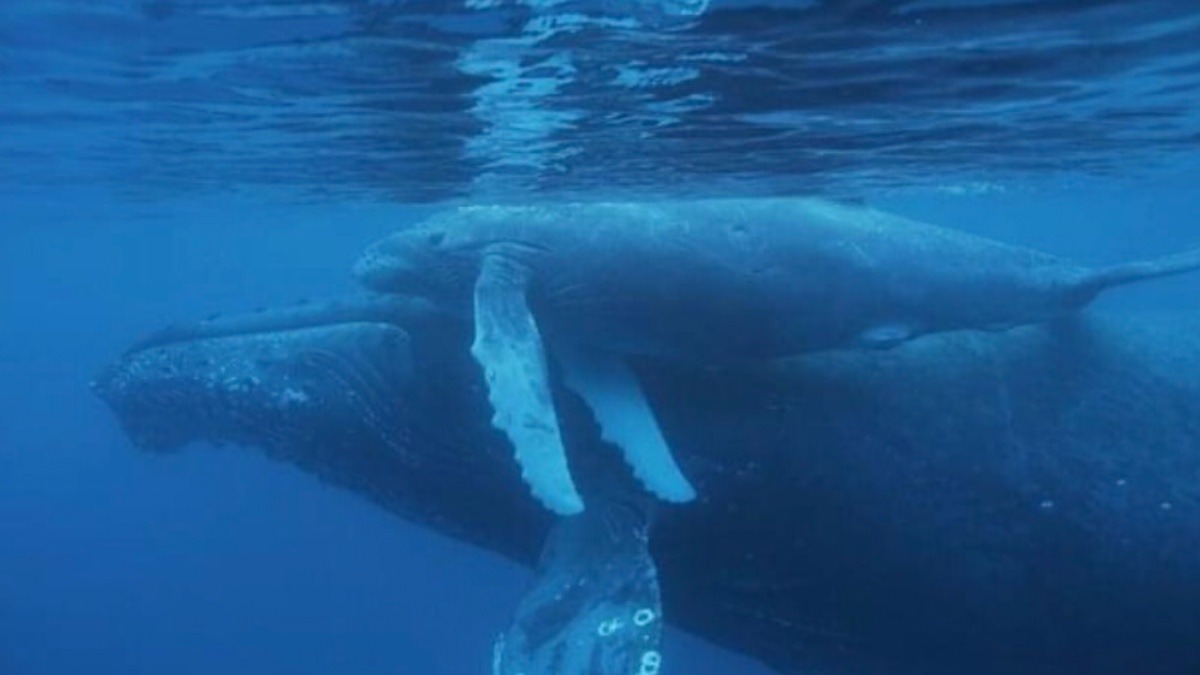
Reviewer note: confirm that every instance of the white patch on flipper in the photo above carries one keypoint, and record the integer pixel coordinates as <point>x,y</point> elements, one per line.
<point>595,607</point>
<point>626,420</point>
<point>509,348</point>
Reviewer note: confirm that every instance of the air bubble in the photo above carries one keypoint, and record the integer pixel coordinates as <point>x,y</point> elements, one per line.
<point>643,617</point>
<point>651,662</point>
<point>608,627</point>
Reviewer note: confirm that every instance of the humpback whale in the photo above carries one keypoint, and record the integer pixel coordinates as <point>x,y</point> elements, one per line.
<point>705,281</point>
<point>1019,501</point>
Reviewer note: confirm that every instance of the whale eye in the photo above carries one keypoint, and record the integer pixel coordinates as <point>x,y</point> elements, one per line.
<point>885,336</point>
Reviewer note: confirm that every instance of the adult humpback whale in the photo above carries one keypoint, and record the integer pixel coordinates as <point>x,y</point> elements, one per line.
<point>1024,501</point>
<point>701,281</point>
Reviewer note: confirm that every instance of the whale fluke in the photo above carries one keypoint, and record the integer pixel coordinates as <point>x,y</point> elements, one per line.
<point>1121,274</point>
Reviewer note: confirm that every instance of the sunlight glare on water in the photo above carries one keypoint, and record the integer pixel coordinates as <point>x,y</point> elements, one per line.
<point>424,100</point>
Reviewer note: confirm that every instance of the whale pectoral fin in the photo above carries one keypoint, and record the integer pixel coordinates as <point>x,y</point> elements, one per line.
<point>595,606</point>
<point>612,391</point>
<point>509,348</point>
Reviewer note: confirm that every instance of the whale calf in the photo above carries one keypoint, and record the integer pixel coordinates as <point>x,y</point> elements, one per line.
<point>704,281</point>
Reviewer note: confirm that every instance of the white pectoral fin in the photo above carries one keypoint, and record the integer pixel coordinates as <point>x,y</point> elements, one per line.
<point>612,391</point>
<point>509,348</point>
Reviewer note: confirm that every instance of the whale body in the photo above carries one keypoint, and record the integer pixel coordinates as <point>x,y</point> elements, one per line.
<point>1023,501</point>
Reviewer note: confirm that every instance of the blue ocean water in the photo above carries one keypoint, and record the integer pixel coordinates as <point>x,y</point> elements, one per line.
<point>167,160</point>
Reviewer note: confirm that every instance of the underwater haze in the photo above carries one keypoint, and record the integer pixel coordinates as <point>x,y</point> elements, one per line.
<point>164,161</point>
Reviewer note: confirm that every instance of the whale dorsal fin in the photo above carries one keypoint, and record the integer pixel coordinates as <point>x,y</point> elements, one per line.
<point>509,348</point>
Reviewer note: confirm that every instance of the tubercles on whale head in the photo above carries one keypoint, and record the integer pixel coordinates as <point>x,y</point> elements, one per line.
<point>419,261</point>
<point>379,269</point>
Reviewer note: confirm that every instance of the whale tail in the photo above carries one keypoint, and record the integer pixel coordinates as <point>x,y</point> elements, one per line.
<point>1105,278</point>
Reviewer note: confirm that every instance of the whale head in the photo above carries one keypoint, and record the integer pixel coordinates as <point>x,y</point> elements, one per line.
<point>430,260</point>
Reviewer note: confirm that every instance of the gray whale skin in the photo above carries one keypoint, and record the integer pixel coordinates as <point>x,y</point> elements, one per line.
<point>1025,501</point>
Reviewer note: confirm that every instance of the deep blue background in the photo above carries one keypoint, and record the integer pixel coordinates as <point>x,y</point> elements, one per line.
<point>215,560</point>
